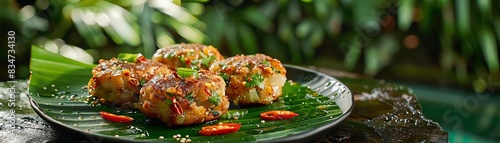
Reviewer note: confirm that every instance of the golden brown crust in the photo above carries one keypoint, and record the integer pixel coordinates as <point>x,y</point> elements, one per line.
<point>195,56</point>
<point>118,82</point>
<point>180,100</point>
<point>240,70</point>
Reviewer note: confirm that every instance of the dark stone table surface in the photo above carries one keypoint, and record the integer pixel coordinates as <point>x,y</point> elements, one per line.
<point>383,112</point>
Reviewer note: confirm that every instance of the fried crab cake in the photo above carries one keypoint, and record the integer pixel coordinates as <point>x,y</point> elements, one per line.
<point>194,56</point>
<point>177,99</point>
<point>251,79</point>
<point>118,81</point>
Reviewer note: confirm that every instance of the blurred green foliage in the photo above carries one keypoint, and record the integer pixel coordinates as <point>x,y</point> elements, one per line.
<point>430,41</point>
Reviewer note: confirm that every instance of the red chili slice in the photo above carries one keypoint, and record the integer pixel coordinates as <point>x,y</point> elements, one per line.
<point>278,115</point>
<point>175,74</point>
<point>177,106</point>
<point>188,62</point>
<point>115,118</point>
<point>207,92</point>
<point>219,129</point>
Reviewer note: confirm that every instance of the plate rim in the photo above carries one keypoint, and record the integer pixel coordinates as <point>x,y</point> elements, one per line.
<point>302,136</point>
<point>322,130</point>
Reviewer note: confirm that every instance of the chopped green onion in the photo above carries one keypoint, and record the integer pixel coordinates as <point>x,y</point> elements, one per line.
<point>183,61</point>
<point>188,54</point>
<point>189,97</point>
<point>265,62</point>
<point>168,102</point>
<point>170,94</point>
<point>225,77</point>
<point>255,80</point>
<point>224,66</point>
<point>214,99</point>
<point>187,72</point>
<point>142,81</point>
<point>169,56</point>
<point>206,60</point>
<point>194,64</point>
<point>128,57</point>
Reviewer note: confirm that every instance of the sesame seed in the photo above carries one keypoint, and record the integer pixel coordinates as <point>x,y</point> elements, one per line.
<point>187,136</point>
<point>161,137</point>
<point>188,140</point>
<point>117,135</point>
<point>143,135</point>
<point>262,121</point>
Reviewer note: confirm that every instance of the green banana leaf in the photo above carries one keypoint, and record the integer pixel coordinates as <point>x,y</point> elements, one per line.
<point>57,90</point>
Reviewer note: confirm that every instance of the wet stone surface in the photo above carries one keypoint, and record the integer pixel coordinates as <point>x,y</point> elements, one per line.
<point>383,112</point>
<point>18,122</point>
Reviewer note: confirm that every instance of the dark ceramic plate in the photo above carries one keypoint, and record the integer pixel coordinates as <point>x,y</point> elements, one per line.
<point>61,105</point>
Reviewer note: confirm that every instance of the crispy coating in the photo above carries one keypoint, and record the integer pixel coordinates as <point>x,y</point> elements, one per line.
<point>195,56</point>
<point>252,78</point>
<point>180,100</point>
<point>118,82</point>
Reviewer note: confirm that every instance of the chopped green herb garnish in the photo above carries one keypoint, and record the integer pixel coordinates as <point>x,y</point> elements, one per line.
<point>189,97</point>
<point>168,102</point>
<point>128,57</point>
<point>203,55</point>
<point>265,62</point>
<point>206,60</point>
<point>194,65</point>
<point>187,72</point>
<point>194,62</point>
<point>170,94</point>
<point>171,55</point>
<point>225,77</point>
<point>142,81</point>
<point>214,99</point>
<point>188,54</point>
<point>183,61</point>
<point>223,66</point>
<point>255,80</point>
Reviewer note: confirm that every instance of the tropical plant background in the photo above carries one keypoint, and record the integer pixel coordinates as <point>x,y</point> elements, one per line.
<point>449,42</point>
